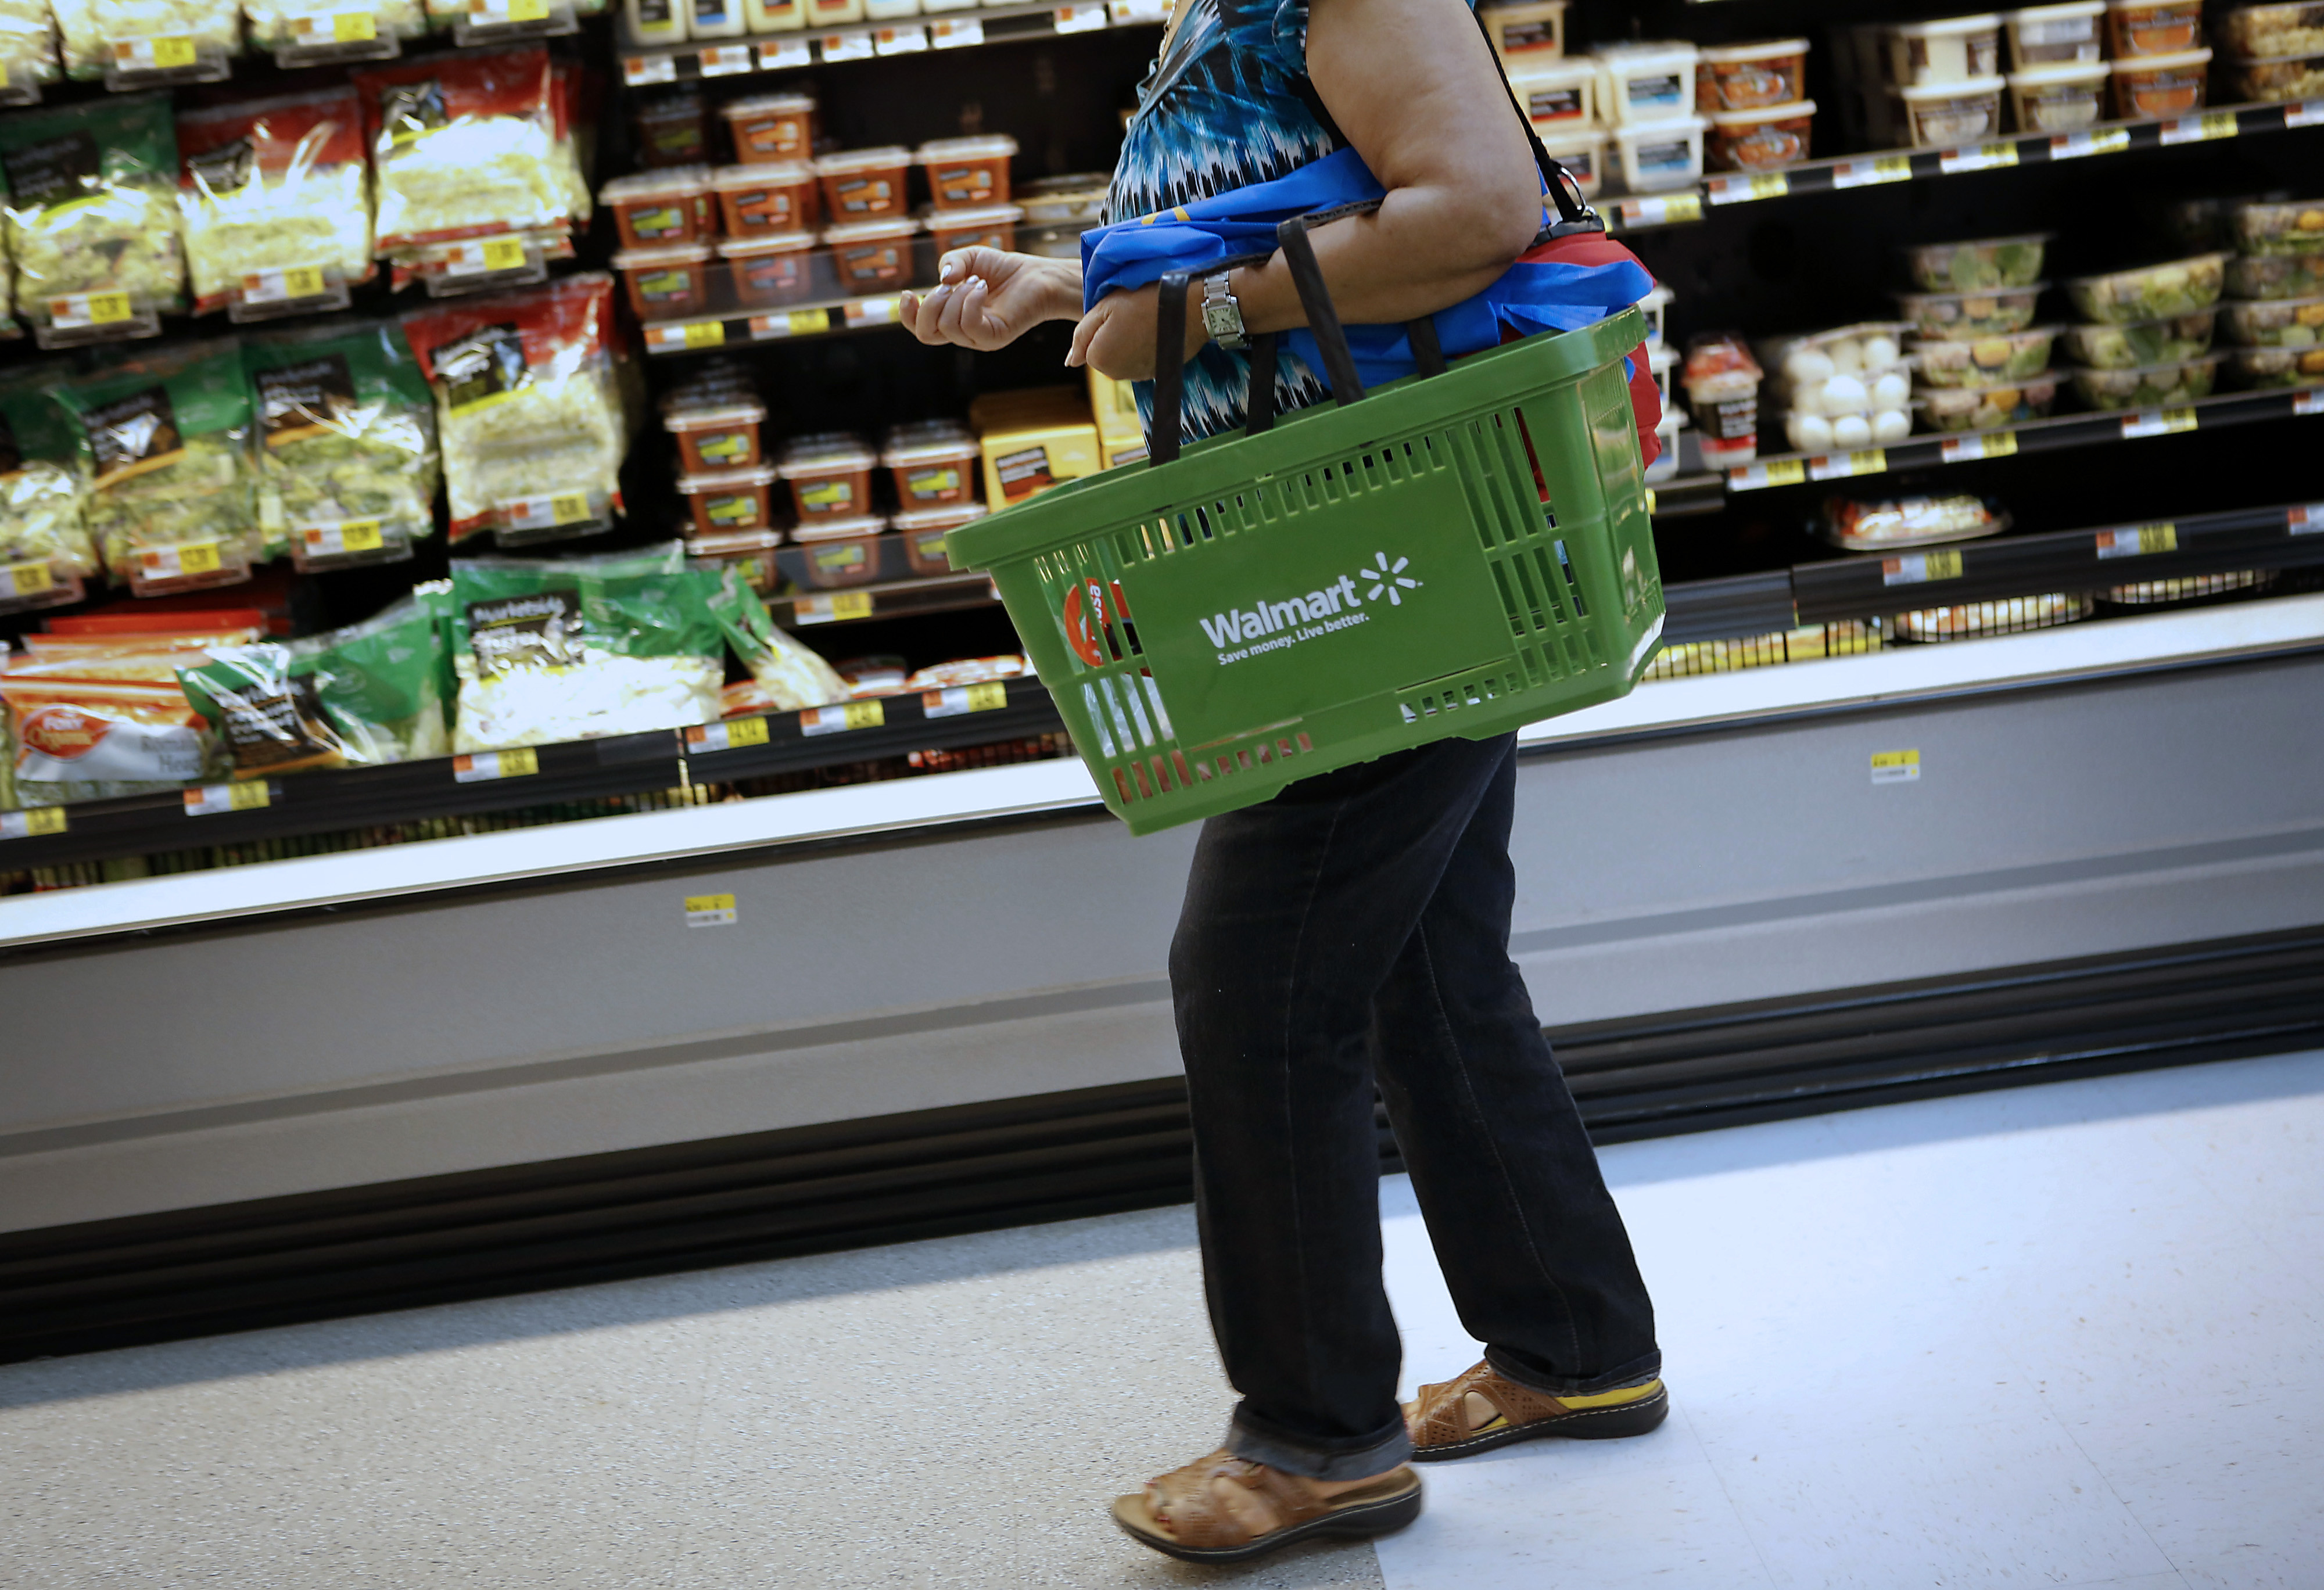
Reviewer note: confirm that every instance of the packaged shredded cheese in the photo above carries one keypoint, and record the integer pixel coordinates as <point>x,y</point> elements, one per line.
<point>42,497</point>
<point>346,430</point>
<point>275,199</point>
<point>92,29</point>
<point>466,146</point>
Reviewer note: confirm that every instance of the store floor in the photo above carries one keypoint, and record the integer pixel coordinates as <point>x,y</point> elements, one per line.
<point>2065,1336</point>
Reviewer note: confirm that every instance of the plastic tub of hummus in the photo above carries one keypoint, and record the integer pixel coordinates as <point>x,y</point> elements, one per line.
<point>654,208</point>
<point>769,271</point>
<point>2154,85</point>
<point>968,173</point>
<point>2062,98</point>
<point>2153,27</point>
<point>992,226</point>
<point>1749,76</point>
<point>1758,139</point>
<point>872,256</point>
<point>834,552</point>
<point>864,184</point>
<point>935,469</point>
<point>713,436</point>
<point>1940,115</point>
<point>666,282</point>
<point>2054,35</point>
<point>763,198</point>
<point>770,128</point>
<point>924,530</point>
<point>728,500</point>
<point>829,475</point>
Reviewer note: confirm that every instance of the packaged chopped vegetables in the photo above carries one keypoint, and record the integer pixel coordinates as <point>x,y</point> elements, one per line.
<point>25,46</point>
<point>347,460</point>
<point>2156,386</point>
<point>528,407</point>
<point>1955,316</point>
<point>2151,292</point>
<point>361,696</point>
<point>280,24</point>
<point>2295,27</point>
<point>274,196</point>
<point>466,146</point>
<point>2295,228</point>
<point>2279,367</point>
<point>88,29</point>
<point>2277,276</point>
<point>42,499</point>
<point>2142,342</point>
<point>1988,361</point>
<point>785,675</point>
<point>1978,263</point>
<point>165,441</point>
<point>92,207</point>
<point>2277,322</point>
<point>575,649</point>
<point>1981,408</point>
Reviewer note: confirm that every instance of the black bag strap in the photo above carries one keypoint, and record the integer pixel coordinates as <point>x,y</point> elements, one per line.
<point>1573,211</point>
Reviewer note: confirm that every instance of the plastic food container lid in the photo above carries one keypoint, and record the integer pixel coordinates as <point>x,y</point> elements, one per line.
<point>667,253</point>
<point>2155,63</point>
<point>982,215</point>
<point>2152,4</point>
<point>677,183</point>
<point>2072,8</point>
<point>822,455</point>
<point>2218,257</point>
<point>1946,27</point>
<point>1652,53</point>
<point>1665,127</point>
<point>712,415</point>
<point>942,518</point>
<point>862,159</point>
<point>838,529</point>
<point>903,452</point>
<point>771,243</point>
<point>1554,74</point>
<point>1725,54</point>
<point>779,173</point>
<point>1766,112</point>
<point>2061,71</point>
<point>1937,93</point>
<point>871,231</point>
<point>768,103</point>
<point>2031,289</point>
<point>990,146</point>
<point>729,543</point>
<point>726,480</point>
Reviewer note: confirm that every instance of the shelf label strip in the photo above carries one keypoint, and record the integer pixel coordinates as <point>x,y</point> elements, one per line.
<point>1983,157</point>
<point>2199,129</point>
<point>2069,146</point>
<point>961,699</point>
<point>208,798</point>
<point>1660,210</point>
<point>710,911</point>
<point>841,716</point>
<point>733,734</point>
<point>2139,541</point>
<point>1868,173</point>
<point>2307,114</point>
<point>1914,568</point>
<point>1996,443</point>
<point>2157,422</point>
<point>2306,520</point>
<point>1775,471</point>
<point>1742,189</point>
<point>35,823</point>
<point>475,769</point>
<point>835,607</point>
<point>1840,467</point>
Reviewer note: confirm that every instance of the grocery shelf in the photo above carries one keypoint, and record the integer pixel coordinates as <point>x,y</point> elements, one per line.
<point>892,599</point>
<point>815,319</point>
<point>644,65</point>
<point>1696,201</point>
<point>549,774</point>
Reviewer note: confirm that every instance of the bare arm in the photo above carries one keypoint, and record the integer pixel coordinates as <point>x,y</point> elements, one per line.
<point>1414,87</point>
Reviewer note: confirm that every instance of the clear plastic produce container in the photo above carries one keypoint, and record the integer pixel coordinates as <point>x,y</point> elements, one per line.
<point>774,270</point>
<point>758,199</point>
<point>2062,99</point>
<point>968,173</point>
<point>2153,27</point>
<point>1758,139</point>
<point>933,469</point>
<point>1979,262</point>
<point>1559,96</point>
<point>714,436</point>
<point>728,500</point>
<point>924,530</point>
<point>673,128</point>
<point>2153,386</point>
<point>1955,408</point>
<point>1645,82</point>
<point>2279,367</point>
<point>2266,33</point>
<point>1658,156</point>
<point>864,184</point>
<point>1749,76</point>
<point>2051,35</point>
<point>2275,276</point>
<point>2278,323</point>
<point>2140,343</point>
<point>872,256</point>
<point>1951,50</point>
<point>2261,227</point>
<point>1987,361</point>
<point>1526,32</point>
<point>667,283</point>
<point>2151,86</point>
<point>829,475</point>
<point>770,128</point>
<point>1939,115</point>
<point>655,208</point>
<point>2294,76</point>
<point>1908,522</point>
<point>1582,153</point>
<point>837,552</point>
<point>2150,292</point>
<point>1953,317</point>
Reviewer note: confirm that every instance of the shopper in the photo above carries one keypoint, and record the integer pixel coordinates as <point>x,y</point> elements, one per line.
<point>1355,928</point>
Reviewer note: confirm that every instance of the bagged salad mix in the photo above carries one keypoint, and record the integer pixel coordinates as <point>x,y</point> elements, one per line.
<point>361,696</point>
<point>45,540</point>
<point>275,199</point>
<point>165,442</point>
<point>346,457</point>
<point>26,47</point>
<point>91,206</point>
<point>279,24</point>
<point>579,648</point>
<point>466,146</point>
<point>529,409</point>
<point>785,675</point>
<point>89,30</point>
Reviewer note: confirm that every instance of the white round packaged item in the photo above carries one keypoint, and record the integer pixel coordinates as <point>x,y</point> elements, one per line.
<point>774,16</point>
<point>658,22</point>
<point>1892,425</point>
<point>1559,96</point>
<point>1658,156</point>
<point>889,10</point>
<point>1525,31</point>
<point>1807,432</point>
<point>2050,35</point>
<point>715,19</point>
<point>1655,305</point>
<point>1582,153</point>
<point>1954,49</point>
<point>1665,463</point>
<point>1645,82</point>
<point>2153,27</point>
<point>2062,98</point>
<point>1939,115</point>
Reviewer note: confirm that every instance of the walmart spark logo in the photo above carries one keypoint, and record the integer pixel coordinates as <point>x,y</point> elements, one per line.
<point>1389,578</point>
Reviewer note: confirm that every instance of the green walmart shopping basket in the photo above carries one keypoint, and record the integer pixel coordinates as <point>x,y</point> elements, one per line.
<point>1343,582</point>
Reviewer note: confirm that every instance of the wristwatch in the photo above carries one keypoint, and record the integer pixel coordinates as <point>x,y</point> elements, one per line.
<point>1222,315</point>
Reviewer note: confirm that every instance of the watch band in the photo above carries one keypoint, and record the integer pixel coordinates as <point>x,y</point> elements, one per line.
<point>1222,314</point>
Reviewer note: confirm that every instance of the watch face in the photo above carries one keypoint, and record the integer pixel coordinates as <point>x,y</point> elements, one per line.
<point>1222,321</point>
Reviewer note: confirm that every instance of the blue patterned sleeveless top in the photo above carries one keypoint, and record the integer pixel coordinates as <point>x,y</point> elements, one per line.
<point>1227,105</point>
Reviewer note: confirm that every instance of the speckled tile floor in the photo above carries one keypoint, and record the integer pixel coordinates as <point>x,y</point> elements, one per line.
<point>2064,1335</point>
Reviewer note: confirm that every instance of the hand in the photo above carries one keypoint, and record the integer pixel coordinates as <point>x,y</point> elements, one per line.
<point>987,299</point>
<point>1118,337</point>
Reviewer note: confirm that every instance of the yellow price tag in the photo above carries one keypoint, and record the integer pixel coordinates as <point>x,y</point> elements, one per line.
<point>987,697</point>
<point>570,508</point>
<point>302,282</point>
<point>173,52</point>
<point>705,333</point>
<point>107,308</point>
<point>1743,188</point>
<point>746,731</point>
<point>354,27</point>
<point>843,715</point>
<point>31,823</point>
<point>1842,466</point>
<point>1869,173</point>
<point>503,254</point>
<point>527,10</point>
<point>851,604</point>
<point>709,910</point>
<point>360,535</point>
<point>865,714</point>
<point>1944,566</point>
<point>518,763</point>
<point>807,322</point>
<point>1775,471</point>
<point>2139,542</point>
<point>29,579</point>
<point>1896,767</point>
<point>198,557</point>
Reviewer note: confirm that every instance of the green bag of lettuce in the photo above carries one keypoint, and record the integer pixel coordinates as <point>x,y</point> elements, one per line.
<point>92,212</point>
<point>358,697</point>
<point>553,649</point>
<point>43,528</point>
<point>165,443</point>
<point>347,462</point>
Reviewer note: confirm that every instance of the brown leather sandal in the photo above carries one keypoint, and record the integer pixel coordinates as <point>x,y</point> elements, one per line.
<point>1441,1427</point>
<point>1179,1515</point>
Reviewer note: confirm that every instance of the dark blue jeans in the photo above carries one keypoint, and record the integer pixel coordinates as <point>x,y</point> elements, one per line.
<point>1355,929</point>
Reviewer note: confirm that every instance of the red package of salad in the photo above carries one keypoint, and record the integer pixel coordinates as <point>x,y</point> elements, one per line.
<point>466,146</point>
<point>274,198</point>
<point>529,411</point>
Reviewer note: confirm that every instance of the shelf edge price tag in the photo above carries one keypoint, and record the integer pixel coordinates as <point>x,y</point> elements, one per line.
<point>710,911</point>
<point>1914,568</point>
<point>795,322</point>
<point>348,535</point>
<point>209,798</point>
<point>1080,19</point>
<point>75,311</point>
<point>905,41</point>
<point>1743,189</point>
<point>2157,422</point>
<point>336,27</point>
<point>639,70</point>
<point>1869,173</point>
<point>781,55</point>
<point>954,35</point>
<point>1998,444</point>
<point>2139,541</point>
<point>2309,401</point>
<point>2067,146</point>
<point>1775,471</point>
<point>1662,210</point>
<point>166,53</point>
<point>847,47</point>
<point>1896,767</point>
<point>884,311</point>
<point>725,61</point>
<point>1128,13</point>
<point>2308,112</point>
<point>1840,467</point>
<point>287,285</point>
<point>34,822</point>
<point>1982,157</point>
<point>2307,520</point>
<point>732,734</point>
<point>2200,128</point>
<point>843,715</point>
<point>26,579</point>
<point>961,699</point>
<point>838,606</point>
<point>480,766</point>
<point>184,558</point>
